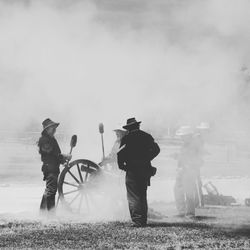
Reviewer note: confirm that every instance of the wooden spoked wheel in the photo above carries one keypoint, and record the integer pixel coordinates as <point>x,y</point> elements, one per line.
<point>79,186</point>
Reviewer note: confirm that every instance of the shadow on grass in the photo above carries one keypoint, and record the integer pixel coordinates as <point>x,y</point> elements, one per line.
<point>229,230</point>
<point>184,224</point>
<point>240,231</point>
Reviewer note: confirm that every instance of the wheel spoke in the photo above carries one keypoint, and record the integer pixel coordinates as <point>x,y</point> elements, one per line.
<point>74,198</point>
<point>80,174</point>
<point>80,204</point>
<point>71,184</point>
<point>78,193</point>
<point>87,172</point>
<point>87,202</point>
<point>70,192</point>
<point>74,177</point>
<point>93,201</point>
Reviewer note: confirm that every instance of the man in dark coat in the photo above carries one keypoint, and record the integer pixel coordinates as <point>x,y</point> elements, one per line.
<point>137,149</point>
<point>51,157</point>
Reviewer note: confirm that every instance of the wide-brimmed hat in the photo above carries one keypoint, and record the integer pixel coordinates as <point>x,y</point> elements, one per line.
<point>131,122</point>
<point>49,123</point>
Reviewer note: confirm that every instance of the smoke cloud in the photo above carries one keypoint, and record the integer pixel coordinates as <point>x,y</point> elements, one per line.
<point>167,63</point>
<point>81,62</point>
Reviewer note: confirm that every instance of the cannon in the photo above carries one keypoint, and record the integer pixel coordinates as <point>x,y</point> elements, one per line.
<point>86,187</point>
<point>213,197</point>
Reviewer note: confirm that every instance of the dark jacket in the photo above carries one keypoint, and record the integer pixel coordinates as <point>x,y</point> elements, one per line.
<point>137,150</point>
<point>50,153</point>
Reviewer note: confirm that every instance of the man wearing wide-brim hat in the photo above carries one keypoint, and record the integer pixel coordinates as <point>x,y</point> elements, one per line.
<point>51,157</point>
<point>137,149</point>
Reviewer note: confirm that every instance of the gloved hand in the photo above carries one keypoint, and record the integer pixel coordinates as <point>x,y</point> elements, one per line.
<point>105,161</point>
<point>67,157</point>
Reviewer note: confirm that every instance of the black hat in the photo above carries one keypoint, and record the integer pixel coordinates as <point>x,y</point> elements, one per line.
<point>130,122</point>
<point>49,123</point>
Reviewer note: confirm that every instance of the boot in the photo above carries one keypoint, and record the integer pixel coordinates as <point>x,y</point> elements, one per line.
<point>43,205</point>
<point>51,202</point>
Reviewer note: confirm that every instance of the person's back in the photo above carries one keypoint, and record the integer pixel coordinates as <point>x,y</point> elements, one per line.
<point>136,152</point>
<point>138,144</point>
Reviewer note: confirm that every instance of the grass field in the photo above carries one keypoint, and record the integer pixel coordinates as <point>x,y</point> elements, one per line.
<point>186,234</point>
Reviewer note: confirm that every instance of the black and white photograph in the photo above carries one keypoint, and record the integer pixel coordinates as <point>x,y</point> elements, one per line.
<point>125,124</point>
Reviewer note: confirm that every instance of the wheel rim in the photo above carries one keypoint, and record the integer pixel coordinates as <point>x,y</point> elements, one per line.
<point>77,186</point>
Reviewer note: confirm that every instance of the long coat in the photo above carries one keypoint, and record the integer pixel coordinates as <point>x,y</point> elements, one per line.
<point>137,150</point>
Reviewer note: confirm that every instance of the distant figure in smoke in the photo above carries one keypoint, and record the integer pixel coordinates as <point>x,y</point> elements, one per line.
<point>137,149</point>
<point>202,132</point>
<point>188,192</point>
<point>52,158</point>
<point>111,159</point>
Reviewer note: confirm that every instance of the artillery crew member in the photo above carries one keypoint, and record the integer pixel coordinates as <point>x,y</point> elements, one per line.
<point>137,149</point>
<point>188,192</point>
<point>112,157</point>
<point>51,157</point>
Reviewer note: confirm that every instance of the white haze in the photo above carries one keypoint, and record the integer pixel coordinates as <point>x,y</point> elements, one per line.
<point>165,62</point>
<point>85,62</point>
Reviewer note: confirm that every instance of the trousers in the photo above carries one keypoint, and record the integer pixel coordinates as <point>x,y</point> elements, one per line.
<point>187,191</point>
<point>137,197</point>
<point>48,199</point>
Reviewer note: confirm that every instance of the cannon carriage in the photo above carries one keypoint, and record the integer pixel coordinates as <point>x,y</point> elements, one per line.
<point>86,187</point>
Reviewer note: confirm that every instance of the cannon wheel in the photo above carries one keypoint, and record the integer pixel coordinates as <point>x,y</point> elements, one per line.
<point>75,183</point>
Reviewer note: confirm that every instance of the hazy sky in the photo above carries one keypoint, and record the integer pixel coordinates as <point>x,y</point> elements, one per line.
<point>82,62</point>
